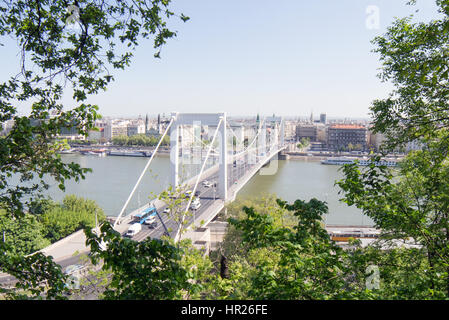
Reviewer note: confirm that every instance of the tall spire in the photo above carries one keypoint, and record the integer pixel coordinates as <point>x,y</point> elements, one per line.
<point>146,124</point>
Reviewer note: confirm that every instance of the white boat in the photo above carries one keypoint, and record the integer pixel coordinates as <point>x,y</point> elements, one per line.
<point>361,161</point>
<point>98,154</point>
<point>68,151</point>
<point>130,153</point>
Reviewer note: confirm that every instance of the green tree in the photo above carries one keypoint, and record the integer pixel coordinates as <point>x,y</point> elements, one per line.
<point>232,245</point>
<point>151,269</point>
<point>304,143</point>
<point>72,215</point>
<point>412,202</point>
<point>54,54</point>
<point>176,200</point>
<point>351,147</point>
<point>120,140</point>
<point>25,234</point>
<point>299,263</point>
<point>416,61</point>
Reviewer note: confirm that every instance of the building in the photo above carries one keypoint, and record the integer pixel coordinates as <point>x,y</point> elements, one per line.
<point>70,133</point>
<point>321,133</point>
<point>323,118</point>
<point>290,130</point>
<point>115,128</point>
<point>136,127</point>
<point>96,135</point>
<point>306,130</point>
<point>414,145</point>
<point>346,137</point>
<point>375,140</point>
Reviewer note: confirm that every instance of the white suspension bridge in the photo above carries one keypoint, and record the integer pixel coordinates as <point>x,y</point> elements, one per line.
<point>229,163</point>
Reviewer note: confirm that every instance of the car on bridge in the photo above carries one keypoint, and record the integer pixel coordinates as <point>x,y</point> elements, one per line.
<point>188,193</point>
<point>207,184</point>
<point>148,214</point>
<point>195,204</point>
<point>150,221</point>
<point>133,230</point>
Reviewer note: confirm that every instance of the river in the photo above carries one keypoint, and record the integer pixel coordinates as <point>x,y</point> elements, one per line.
<point>113,178</point>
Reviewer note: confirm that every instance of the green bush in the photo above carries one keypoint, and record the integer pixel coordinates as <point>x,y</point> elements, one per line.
<point>72,215</point>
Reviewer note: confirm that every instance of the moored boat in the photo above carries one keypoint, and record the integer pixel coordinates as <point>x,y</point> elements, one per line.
<point>360,161</point>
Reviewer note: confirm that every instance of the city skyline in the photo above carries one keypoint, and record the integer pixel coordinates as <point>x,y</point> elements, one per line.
<point>290,58</point>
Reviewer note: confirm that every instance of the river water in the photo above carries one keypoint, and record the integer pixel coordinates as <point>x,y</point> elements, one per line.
<point>113,178</point>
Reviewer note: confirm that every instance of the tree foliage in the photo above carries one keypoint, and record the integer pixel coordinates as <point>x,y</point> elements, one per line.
<point>411,204</point>
<point>24,235</point>
<point>72,215</point>
<point>58,48</point>
<point>151,269</point>
<point>63,47</point>
<point>304,264</point>
<point>415,60</point>
<point>278,262</point>
<point>140,140</point>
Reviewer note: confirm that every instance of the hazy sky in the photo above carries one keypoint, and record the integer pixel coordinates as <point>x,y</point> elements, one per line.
<point>255,56</point>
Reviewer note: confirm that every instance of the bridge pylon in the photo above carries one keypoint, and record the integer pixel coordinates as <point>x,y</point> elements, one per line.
<point>217,120</point>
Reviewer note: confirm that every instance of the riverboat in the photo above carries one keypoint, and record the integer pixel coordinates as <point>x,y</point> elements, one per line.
<point>344,236</point>
<point>360,161</point>
<point>129,153</point>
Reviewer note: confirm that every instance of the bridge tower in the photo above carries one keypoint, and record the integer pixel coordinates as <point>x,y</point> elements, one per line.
<point>217,120</point>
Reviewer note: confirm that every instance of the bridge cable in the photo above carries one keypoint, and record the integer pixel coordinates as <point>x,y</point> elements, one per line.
<point>198,179</point>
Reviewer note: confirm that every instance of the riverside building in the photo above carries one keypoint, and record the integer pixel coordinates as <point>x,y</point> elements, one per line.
<point>343,137</point>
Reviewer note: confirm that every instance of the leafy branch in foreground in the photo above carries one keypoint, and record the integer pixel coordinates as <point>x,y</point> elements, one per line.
<point>416,61</point>
<point>59,54</point>
<point>150,269</point>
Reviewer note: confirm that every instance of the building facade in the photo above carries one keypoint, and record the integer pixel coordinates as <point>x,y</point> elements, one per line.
<point>135,128</point>
<point>115,128</point>
<point>305,130</point>
<point>346,137</point>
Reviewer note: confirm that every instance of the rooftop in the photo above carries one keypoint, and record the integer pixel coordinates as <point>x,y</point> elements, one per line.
<point>346,126</point>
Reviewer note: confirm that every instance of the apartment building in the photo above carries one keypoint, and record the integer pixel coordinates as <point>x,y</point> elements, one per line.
<point>346,136</point>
